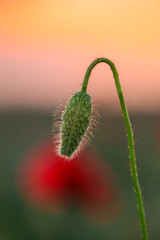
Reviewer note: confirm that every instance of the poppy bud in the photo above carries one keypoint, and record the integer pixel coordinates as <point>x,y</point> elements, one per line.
<point>75,122</point>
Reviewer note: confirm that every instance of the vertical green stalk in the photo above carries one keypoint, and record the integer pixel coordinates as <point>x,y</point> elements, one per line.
<point>133,166</point>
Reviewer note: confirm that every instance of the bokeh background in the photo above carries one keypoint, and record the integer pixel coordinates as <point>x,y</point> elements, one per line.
<point>45,48</point>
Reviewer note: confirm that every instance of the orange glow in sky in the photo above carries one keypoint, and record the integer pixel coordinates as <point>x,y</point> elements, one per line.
<point>46,47</point>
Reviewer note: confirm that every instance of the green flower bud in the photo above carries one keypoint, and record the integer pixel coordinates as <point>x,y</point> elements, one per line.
<point>75,122</point>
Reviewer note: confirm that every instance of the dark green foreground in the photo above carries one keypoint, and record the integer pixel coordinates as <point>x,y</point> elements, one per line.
<point>20,131</point>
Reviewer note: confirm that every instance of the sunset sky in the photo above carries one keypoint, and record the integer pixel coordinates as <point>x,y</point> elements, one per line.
<point>46,46</point>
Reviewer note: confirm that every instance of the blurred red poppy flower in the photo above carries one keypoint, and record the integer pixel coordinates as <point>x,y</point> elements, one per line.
<point>53,183</point>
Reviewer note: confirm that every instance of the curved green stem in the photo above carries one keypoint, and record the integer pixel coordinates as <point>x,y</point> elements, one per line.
<point>134,173</point>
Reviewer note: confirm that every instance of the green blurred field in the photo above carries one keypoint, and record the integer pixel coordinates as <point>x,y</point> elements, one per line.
<point>20,131</point>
